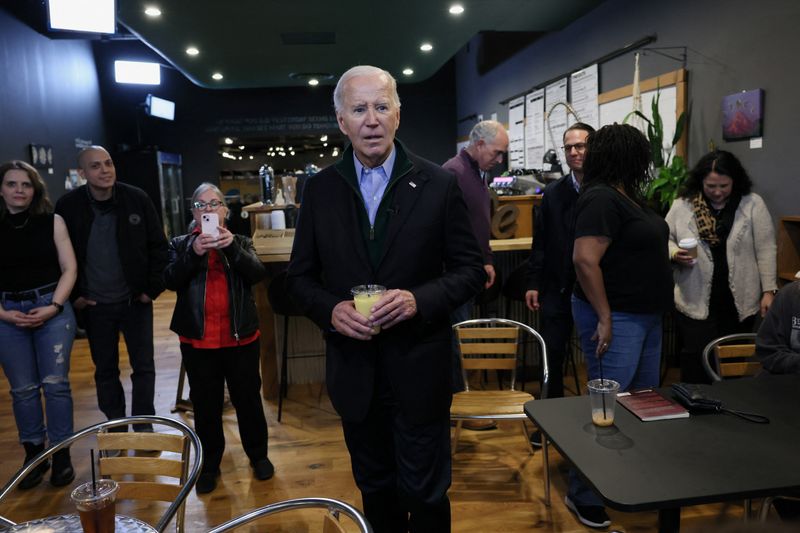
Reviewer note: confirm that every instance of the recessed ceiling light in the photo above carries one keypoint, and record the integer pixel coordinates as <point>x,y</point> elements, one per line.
<point>192,51</point>
<point>292,152</point>
<point>408,71</point>
<point>251,157</point>
<point>313,82</point>
<point>241,147</point>
<point>321,155</point>
<point>323,138</point>
<point>324,144</point>
<point>426,47</point>
<point>240,158</point>
<point>228,140</point>
<point>217,76</point>
<point>152,11</point>
<point>456,9</point>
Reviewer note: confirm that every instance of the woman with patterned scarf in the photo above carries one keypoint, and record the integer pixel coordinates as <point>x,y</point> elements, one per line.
<point>734,275</point>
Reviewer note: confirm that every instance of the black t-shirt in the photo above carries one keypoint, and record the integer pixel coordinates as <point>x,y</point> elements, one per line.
<point>636,267</point>
<point>30,258</point>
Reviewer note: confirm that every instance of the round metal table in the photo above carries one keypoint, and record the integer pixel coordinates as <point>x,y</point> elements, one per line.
<point>71,523</point>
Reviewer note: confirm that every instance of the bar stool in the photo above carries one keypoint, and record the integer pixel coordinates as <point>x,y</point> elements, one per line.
<point>282,304</point>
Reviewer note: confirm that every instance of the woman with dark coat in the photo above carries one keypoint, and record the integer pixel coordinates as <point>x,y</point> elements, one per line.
<point>215,317</point>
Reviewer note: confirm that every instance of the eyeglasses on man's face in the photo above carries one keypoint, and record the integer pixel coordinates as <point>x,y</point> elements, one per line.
<point>580,147</point>
<point>213,204</point>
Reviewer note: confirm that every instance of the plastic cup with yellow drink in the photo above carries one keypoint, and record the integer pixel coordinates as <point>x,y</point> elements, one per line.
<point>366,296</point>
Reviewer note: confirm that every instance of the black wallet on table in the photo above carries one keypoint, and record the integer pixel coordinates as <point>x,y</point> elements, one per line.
<point>695,398</point>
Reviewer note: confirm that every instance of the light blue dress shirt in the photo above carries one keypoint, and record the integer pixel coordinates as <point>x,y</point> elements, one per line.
<point>373,182</point>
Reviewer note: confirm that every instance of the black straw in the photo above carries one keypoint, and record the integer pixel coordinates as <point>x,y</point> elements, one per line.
<point>602,384</point>
<point>94,476</point>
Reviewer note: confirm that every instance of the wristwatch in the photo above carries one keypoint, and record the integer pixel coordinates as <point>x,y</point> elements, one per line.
<point>58,306</point>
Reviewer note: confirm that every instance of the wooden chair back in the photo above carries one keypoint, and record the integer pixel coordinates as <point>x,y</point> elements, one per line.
<point>489,348</point>
<point>722,359</point>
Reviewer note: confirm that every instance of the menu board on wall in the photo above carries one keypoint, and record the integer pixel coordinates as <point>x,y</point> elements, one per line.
<point>584,90</point>
<point>516,133</point>
<point>556,93</point>
<point>534,129</point>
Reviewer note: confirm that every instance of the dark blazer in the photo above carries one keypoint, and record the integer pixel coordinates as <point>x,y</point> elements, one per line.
<point>550,268</point>
<point>428,249</point>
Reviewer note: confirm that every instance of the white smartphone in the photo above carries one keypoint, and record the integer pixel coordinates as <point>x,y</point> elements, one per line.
<point>209,224</point>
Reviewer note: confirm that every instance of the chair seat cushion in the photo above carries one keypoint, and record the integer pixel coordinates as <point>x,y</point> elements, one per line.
<point>489,404</point>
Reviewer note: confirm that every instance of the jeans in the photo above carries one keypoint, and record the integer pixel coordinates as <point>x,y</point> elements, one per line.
<point>633,360</point>
<point>104,322</point>
<point>36,360</point>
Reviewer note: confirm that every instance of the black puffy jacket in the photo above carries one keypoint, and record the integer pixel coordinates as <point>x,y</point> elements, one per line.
<point>186,275</point>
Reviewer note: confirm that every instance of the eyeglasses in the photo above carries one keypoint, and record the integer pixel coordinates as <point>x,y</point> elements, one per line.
<point>580,147</point>
<point>213,204</point>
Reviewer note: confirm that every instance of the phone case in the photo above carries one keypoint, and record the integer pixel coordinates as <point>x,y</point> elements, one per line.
<point>208,226</point>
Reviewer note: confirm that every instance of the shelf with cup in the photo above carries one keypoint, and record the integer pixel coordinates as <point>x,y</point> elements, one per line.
<point>788,249</point>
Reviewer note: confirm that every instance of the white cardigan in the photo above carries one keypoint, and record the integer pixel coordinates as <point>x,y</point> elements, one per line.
<point>750,249</point>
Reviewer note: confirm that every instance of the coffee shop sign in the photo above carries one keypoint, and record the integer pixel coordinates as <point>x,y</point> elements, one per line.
<point>293,124</point>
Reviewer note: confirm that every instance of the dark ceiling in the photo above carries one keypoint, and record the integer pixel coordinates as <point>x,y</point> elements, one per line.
<point>280,43</point>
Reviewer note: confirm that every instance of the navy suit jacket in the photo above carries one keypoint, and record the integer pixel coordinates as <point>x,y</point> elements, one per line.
<point>429,249</point>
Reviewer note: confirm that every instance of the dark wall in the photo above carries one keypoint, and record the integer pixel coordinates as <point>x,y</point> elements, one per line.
<point>203,116</point>
<point>733,45</point>
<point>49,95</point>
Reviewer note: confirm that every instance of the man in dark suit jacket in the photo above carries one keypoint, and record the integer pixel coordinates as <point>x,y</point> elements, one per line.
<point>384,216</point>
<point>551,274</point>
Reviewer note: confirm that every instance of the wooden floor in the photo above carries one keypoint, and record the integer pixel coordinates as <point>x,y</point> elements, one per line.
<point>497,484</point>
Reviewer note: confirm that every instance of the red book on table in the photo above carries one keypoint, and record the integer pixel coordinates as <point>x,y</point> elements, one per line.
<point>649,405</point>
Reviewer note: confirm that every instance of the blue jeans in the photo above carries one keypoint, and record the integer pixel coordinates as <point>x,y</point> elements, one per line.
<point>36,360</point>
<point>633,359</point>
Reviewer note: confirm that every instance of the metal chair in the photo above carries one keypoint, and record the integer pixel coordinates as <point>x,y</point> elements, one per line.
<point>331,520</point>
<point>186,469</point>
<point>493,344</point>
<point>722,359</point>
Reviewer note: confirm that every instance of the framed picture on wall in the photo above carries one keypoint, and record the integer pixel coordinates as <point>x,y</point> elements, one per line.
<point>743,115</point>
<point>41,155</point>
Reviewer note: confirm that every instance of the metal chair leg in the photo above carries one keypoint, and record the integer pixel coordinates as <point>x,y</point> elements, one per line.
<point>283,388</point>
<point>546,470</point>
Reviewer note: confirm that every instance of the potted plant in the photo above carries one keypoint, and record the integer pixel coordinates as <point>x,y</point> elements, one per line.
<point>669,172</point>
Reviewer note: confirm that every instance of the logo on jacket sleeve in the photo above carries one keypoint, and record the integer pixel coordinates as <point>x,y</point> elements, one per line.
<point>134,219</point>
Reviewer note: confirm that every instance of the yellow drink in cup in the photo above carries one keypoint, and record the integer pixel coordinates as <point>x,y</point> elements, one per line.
<point>366,296</point>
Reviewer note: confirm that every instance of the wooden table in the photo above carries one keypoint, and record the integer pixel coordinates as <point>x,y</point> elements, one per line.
<point>668,464</point>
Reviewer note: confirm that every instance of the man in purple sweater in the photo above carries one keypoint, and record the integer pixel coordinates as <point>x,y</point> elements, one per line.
<point>488,142</point>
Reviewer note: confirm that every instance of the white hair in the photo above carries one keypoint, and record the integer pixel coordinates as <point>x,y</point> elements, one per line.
<point>485,131</point>
<point>363,70</point>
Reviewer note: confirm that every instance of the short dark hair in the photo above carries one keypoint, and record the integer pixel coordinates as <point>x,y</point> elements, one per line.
<point>723,163</point>
<point>618,154</point>
<point>578,126</point>
<point>40,203</point>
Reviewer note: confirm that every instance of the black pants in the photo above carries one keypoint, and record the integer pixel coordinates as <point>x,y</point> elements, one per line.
<point>696,334</point>
<point>556,330</point>
<point>134,320</point>
<point>402,469</point>
<point>208,371</point>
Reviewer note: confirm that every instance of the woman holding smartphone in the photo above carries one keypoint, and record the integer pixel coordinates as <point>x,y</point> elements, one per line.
<point>212,270</point>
